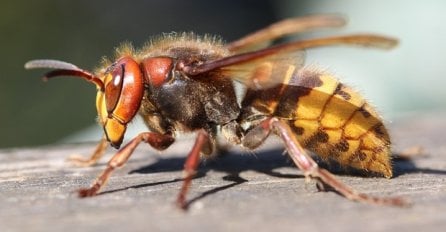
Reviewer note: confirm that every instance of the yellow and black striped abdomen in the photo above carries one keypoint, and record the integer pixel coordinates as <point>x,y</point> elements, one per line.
<point>329,119</point>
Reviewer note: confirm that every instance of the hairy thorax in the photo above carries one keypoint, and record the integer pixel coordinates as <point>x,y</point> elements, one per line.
<point>183,103</point>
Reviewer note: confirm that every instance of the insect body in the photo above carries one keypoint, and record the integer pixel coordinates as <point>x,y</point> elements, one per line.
<point>184,83</point>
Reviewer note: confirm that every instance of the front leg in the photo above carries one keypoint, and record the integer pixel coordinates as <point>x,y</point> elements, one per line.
<point>156,140</point>
<point>93,159</point>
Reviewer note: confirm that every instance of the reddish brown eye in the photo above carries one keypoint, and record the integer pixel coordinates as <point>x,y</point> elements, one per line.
<point>113,88</point>
<point>124,88</point>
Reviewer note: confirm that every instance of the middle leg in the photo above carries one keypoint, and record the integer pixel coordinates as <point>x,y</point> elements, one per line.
<point>191,165</point>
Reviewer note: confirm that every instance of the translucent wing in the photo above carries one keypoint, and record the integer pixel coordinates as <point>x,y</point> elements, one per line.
<point>266,72</point>
<point>254,68</point>
<point>263,38</point>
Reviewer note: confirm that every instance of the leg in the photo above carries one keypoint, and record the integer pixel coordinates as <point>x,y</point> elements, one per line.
<point>410,153</point>
<point>190,167</point>
<point>157,141</point>
<point>310,168</point>
<point>93,159</point>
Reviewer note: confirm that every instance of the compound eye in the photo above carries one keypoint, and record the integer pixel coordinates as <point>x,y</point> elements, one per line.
<point>113,87</point>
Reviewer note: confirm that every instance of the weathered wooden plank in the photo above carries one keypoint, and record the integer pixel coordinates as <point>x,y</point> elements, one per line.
<point>261,192</point>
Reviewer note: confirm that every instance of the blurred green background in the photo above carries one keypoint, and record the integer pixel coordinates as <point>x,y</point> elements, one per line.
<point>407,80</point>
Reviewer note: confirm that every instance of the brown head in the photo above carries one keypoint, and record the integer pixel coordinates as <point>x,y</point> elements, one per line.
<point>120,91</point>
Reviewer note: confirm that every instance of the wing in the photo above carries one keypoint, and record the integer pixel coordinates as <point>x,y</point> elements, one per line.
<point>265,72</point>
<point>263,38</point>
<point>252,68</point>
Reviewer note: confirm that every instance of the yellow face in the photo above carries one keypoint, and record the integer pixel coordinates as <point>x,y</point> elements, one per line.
<point>113,128</point>
<point>119,101</point>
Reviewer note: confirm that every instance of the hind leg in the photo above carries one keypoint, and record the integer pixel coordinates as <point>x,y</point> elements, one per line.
<point>304,162</point>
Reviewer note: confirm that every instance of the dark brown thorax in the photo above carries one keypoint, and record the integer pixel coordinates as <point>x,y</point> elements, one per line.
<point>177,102</point>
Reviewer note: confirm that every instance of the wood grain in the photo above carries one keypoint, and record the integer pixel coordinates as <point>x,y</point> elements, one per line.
<point>237,192</point>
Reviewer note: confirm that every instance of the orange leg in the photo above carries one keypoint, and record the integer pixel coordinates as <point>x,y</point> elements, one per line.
<point>310,168</point>
<point>411,153</point>
<point>93,159</point>
<point>157,141</point>
<point>190,167</point>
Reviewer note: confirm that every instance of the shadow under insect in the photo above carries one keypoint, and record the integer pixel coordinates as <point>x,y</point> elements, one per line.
<point>406,166</point>
<point>265,162</point>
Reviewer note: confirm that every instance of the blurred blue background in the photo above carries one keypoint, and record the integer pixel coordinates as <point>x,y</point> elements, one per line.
<point>405,81</point>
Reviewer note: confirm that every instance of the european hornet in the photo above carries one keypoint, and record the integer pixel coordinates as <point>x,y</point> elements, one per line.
<point>185,83</point>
